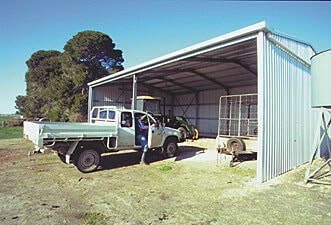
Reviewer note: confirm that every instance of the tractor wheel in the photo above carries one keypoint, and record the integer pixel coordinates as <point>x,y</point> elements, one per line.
<point>87,161</point>
<point>195,135</point>
<point>183,132</point>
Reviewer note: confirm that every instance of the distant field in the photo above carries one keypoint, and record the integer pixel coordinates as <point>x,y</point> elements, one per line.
<point>8,117</point>
<point>11,132</point>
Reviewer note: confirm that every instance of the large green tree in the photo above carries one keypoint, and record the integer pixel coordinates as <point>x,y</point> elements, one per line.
<point>43,66</point>
<point>89,55</point>
<point>57,82</point>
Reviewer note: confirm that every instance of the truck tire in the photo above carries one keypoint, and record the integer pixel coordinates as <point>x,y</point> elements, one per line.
<point>170,148</point>
<point>235,145</point>
<point>183,132</point>
<point>87,161</point>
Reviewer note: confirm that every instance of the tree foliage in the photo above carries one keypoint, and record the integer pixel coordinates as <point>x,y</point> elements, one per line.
<point>57,82</point>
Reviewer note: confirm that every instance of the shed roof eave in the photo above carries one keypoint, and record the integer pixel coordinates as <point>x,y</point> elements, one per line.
<point>218,40</point>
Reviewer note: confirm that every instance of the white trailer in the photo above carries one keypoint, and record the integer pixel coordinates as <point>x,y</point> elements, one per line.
<point>237,125</point>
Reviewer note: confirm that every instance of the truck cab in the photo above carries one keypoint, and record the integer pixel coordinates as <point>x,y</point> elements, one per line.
<point>125,121</point>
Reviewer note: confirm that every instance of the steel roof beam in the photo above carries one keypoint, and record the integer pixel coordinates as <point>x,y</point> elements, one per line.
<point>185,77</point>
<point>169,80</point>
<point>156,89</point>
<point>178,84</point>
<point>223,60</point>
<point>196,73</point>
<point>211,80</point>
<point>212,89</point>
<point>224,78</point>
<point>170,72</point>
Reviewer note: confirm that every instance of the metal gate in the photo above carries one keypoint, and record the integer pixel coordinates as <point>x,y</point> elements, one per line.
<point>238,115</point>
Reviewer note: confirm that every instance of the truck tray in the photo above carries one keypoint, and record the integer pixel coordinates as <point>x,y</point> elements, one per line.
<point>37,132</point>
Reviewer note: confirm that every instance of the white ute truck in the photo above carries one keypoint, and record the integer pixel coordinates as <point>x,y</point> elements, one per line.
<point>109,130</point>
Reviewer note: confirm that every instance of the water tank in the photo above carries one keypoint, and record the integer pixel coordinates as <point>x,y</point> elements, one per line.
<point>321,79</point>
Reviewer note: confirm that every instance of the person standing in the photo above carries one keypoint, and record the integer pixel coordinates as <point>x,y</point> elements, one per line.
<point>143,139</point>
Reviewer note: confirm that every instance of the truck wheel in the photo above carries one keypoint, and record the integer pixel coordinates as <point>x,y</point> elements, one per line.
<point>235,145</point>
<point>170,148</point>
<point>183,132</point>
<point>87,161</point>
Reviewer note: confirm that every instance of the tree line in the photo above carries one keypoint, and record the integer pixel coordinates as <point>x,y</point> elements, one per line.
<point>56,82</point>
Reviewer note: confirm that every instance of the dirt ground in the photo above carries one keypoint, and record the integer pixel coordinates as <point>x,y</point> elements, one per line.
<point>188,189</point>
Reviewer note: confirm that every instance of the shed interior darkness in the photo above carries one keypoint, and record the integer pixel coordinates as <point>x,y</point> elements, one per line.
<point>191,87</point>
<point>225,68</point>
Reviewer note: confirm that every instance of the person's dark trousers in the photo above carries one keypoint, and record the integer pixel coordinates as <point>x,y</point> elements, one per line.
<point>144,145</point>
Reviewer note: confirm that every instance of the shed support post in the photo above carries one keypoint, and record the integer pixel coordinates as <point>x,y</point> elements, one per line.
<point>260,173</point>
<point>89,104</point>
<point>134,93</point>
<point>197,110</point>
<point>172,103</point>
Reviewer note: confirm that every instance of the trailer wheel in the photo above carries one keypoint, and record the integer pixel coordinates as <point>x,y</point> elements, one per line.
<point>87,161</point>
<point>170,148</point>
<point>236,145</point>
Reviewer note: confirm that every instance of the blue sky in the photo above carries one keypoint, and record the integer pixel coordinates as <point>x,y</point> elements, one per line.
<point>143,30</point>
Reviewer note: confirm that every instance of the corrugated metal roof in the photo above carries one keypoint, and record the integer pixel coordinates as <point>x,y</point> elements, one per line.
<point>225,62</point>
<point>186,52</point>
<point>219,68</point>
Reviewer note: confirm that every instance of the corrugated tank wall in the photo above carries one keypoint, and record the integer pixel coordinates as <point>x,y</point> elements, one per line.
<point>288,121</point>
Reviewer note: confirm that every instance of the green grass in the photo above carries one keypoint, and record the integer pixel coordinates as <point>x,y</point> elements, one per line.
<point>4,117</point>
<point>11,132</point>
<point>93,218</point>
<point>165,168</point>
<point>49,159</point>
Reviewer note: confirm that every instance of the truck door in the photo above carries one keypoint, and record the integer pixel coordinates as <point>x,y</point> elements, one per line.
<point>126,134</point>
<point>155,132</point>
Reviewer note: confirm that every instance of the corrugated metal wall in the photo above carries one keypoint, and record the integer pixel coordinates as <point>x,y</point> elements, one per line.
<point>288,120</point>
<point>121,95</point>
<point>111,95</point>
<point>184,105</point>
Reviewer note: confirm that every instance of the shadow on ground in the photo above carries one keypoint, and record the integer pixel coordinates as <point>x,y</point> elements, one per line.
<point>244,158</point>
<point>187,152</point>
<point>125,159</point>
